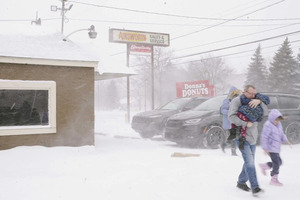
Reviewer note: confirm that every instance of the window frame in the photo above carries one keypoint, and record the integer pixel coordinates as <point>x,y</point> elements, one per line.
<point>50,86</point>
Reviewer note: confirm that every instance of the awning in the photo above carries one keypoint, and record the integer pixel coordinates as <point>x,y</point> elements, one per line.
<point>105,73</point>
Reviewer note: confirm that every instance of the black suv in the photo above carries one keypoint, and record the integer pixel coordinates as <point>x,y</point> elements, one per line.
<point>151,123</point>
<point>202,126</point>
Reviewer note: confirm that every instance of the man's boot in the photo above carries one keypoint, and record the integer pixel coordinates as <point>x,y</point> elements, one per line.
<point>274,181</point>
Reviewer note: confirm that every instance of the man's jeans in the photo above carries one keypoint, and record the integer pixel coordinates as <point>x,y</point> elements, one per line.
<point>248,171</point>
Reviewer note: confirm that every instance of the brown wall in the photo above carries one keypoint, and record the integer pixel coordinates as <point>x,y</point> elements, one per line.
<point>74,104</point>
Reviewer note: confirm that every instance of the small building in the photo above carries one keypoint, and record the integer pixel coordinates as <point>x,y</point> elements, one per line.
<point>46,91</point>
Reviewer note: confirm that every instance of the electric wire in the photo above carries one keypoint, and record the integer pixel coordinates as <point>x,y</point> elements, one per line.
<point>237,45</point>
<point>228,20</point>
<point>231,54</point>
<point>241,36</point>
<point>181,16</point>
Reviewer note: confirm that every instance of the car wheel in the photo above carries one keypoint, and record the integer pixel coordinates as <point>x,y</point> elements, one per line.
<point>293,132</point>
<point>147,134</point>
<point>214,136</point>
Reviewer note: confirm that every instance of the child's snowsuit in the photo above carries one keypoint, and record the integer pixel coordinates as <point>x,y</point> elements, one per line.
<point>247,113</point>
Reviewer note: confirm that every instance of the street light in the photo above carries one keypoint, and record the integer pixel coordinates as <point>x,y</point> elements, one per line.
<point>92,32</point>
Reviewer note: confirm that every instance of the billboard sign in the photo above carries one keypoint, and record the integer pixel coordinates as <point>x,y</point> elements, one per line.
<point>195,89</point>
<point>147,38</point>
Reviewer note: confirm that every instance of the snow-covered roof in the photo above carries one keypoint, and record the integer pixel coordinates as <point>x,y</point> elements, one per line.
<point>113,72</point>
<point>35,45</point>
<point>39,45</point>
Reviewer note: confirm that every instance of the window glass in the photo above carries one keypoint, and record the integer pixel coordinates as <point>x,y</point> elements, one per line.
<point>289,102</point>
<point>176,104</point>
<point>27,107</point>
<point>273,103</point>
<point>193,104</point>
<point>23,107</point>
<point>211,104</point>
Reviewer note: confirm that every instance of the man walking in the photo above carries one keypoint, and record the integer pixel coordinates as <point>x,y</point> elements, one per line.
<point>248,172</point>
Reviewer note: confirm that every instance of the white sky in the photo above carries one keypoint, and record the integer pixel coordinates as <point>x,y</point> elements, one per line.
<point>82,16</point>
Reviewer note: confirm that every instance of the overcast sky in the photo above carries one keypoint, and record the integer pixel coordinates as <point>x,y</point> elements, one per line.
<point>194,26</point>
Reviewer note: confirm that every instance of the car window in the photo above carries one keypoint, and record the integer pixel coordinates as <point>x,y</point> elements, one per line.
<point>289,102</point>
<point>175,104</point>
<point>273,103</point>
<point>193,104</point>
<point>211,104</point>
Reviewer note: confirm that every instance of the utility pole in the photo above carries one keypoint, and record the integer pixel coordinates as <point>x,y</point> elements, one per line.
<point>152,76</point>
<point>63,11</point>
<point>62,15</point>
<point>128,85</point>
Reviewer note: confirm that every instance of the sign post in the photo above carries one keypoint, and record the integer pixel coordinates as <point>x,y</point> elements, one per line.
<point>139,38</point>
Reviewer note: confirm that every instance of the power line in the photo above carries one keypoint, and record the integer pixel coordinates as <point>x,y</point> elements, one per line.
<point>180,16</point>
<point>231,54</point>
<point>241,36</point>
<point>237,45</point>
<point>26,20</point>
<point>166,24</point>
<point>141,23</point>
<point>228,20</point>
<point>238,37</point>
<point>221,56</point>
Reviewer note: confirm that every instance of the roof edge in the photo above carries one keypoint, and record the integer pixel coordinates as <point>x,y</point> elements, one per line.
<point>54,62</point>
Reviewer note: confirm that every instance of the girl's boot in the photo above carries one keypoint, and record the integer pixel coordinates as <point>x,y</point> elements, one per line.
<point>274,181</point>
<point>264,167</point>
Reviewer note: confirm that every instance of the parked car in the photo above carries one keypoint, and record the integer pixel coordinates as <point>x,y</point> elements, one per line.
<point>151,123</point>
<point>202,126</point>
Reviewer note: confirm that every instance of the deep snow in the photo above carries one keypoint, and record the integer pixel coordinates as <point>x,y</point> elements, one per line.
<point>124,166</point>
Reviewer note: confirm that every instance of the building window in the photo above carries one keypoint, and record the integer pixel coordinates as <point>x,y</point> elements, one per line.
<point>27,107</point>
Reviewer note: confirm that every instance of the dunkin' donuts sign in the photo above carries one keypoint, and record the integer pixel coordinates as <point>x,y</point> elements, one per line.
<point>195,88</point>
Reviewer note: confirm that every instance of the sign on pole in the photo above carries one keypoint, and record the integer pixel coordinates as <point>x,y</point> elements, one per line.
<point>140,49</point>
<point>195,88</point>
<point>139,42</point>
<point>147,38</point>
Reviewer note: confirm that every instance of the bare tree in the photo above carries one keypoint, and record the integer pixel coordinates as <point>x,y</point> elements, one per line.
<point>142,84</point>
<point>212,69</point>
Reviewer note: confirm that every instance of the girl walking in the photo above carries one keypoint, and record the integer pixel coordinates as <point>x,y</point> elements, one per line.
<point>272,137</point>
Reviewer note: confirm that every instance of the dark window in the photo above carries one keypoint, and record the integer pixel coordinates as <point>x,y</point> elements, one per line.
<point>23,107</point>
<point>193,104</point>
<point>175,104</point>
<point>211,104</point>
<point>273,103</point>
<point>289,102</point>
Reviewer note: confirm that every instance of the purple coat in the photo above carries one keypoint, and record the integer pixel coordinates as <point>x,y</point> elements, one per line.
<point>224,109</point>
<point>272,136</point>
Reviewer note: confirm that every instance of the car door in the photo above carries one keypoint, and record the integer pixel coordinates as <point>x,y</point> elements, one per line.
<point>289,107</point>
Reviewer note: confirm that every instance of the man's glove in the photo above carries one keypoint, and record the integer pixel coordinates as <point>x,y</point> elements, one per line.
<point>241,143</point>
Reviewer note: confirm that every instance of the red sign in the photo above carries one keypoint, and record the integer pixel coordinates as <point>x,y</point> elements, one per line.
<point>195,88</point>
<point>140,48</point>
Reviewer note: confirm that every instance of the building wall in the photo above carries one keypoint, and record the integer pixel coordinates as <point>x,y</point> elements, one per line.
<point>74,104</point>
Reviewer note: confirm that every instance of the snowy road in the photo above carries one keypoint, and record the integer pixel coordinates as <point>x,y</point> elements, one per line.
<point>123,166</point>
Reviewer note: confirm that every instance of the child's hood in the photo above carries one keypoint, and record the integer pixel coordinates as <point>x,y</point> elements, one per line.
<point>231,90</point>
<point>273,115</point>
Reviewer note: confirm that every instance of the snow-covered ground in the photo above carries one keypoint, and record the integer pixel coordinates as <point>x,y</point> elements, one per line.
<point>124,166</point>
